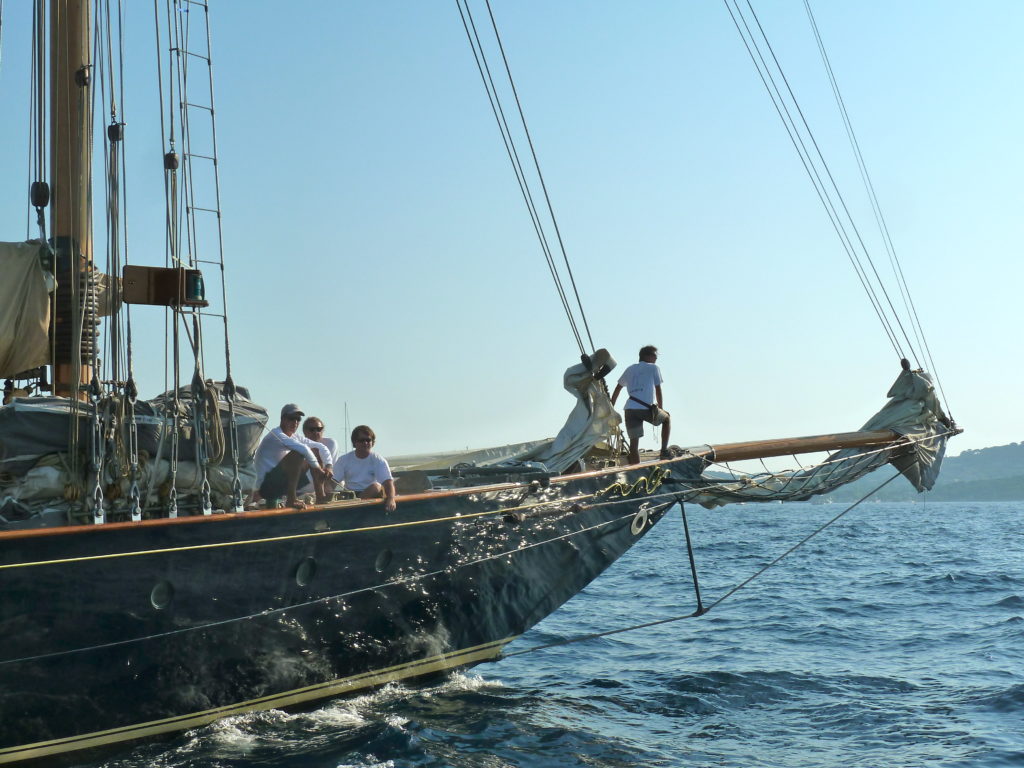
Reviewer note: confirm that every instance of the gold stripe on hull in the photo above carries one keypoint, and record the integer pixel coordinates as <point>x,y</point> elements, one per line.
<point>369,679</point>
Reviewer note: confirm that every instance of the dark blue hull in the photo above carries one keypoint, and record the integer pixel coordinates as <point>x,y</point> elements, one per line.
<point>128,630</point>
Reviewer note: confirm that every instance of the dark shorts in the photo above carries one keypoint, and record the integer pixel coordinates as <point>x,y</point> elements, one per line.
<point>275,483</point>
<point>635,418</point>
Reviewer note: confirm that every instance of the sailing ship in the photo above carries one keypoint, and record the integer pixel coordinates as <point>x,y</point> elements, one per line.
<point>138,594</point>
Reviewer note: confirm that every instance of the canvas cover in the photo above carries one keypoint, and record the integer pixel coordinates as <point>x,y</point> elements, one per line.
<point>24,309</point>
<point>591,421</point>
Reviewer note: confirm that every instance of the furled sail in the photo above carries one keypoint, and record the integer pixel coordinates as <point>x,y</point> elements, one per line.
<point>24,309</point>
<point>913,411</point>
<point>591,421</point>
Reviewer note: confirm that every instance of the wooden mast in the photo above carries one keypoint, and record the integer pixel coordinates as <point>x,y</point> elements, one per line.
<point>70,171</point>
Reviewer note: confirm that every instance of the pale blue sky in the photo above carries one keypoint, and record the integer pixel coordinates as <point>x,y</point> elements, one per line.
<point>379,253</point>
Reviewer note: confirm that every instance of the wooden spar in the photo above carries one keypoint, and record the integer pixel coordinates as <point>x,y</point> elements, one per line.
<point>70,181</point>
<point>787,446</point>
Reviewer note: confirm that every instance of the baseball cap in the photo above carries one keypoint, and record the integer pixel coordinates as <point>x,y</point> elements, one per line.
<point>291,408</point>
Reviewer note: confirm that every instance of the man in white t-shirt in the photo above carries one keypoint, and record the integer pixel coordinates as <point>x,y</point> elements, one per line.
<point>365,472</point>
<point>643,381</point>
<point>282,457</point>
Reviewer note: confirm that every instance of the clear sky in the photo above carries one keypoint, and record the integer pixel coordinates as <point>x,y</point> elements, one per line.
<point>379,253</point>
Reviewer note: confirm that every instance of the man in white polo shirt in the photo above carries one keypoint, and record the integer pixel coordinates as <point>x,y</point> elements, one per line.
<point>643,381</point>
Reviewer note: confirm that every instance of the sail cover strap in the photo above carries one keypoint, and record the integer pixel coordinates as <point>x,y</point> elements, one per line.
<point>24,309</point>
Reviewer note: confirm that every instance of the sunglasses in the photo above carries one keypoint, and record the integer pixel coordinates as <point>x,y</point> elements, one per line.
<point>363,440</point>
<point>293,418</point>
<point>315,429</point>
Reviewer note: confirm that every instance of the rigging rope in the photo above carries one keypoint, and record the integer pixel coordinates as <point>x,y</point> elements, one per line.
<point>513,155</point>
<point>839,195</point>
<point>877,209</point>
<point>800,147</point>
<point>480,57</point>
<point>540,176</point>
<point>702,610</point>
<point>38,154</point>
<point>811,166</point>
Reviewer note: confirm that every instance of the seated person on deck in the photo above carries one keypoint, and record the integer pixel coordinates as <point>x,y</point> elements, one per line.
<point>365,472</point>
<point>282,457</point>
<point>313,429</point>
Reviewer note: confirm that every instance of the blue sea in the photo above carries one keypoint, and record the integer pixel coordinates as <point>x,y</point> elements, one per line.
<point>893,638</point>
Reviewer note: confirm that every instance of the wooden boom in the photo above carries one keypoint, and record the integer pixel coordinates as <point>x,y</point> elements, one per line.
<point>762,449</point>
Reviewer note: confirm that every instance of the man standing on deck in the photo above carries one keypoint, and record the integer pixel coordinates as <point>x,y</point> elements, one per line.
<point>643,381</point>
<point>283,456</point>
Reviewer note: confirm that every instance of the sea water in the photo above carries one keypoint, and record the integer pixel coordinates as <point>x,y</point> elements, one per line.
<point>893,638</point>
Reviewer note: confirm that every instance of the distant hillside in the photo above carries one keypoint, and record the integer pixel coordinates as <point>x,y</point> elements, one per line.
<point>988,463</point>
<point>988,474</point>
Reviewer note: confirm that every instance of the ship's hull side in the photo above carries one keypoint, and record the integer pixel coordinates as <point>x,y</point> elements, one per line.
<point>119,632</point>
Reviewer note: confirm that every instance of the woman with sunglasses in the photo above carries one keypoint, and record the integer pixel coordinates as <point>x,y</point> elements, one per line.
<point>313,429</point>
<point>365,472</point>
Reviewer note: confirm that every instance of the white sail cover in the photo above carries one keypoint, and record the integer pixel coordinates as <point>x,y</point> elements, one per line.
<point>592,420</point>
<point>24,309</point>
<point>912,411</point>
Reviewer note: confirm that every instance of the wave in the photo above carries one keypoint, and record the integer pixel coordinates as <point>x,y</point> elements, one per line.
<point>967,578</point>
<point>1013,601</point>
<point>1007,700</point>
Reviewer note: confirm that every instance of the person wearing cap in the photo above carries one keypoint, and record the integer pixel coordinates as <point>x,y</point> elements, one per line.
<point>642,381</point>
<point>283,456</point>
<point>365,472</point>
